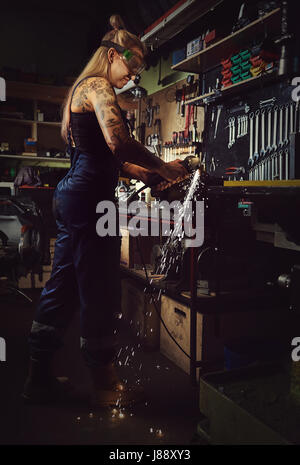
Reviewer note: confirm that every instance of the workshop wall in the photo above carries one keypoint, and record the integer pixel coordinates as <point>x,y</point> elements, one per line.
<point>170,119</point>
<point>150,78</point>
<point>43,43</point>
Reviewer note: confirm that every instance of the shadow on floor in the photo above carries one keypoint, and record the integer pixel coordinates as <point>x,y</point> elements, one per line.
<point>171,405</point>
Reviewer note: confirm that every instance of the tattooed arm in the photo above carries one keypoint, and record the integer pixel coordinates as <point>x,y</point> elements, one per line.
<point>132,171</point>
<point>103,99</point>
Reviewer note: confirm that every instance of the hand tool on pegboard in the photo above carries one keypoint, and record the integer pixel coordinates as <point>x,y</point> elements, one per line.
<point>178,100</point>
<point>175,137</point>
<point>251,134</point>
<point>188,120</point>
<point>219,110</point>
<point>149,114</point>
<point>235,171</point>
<point>182,108</point>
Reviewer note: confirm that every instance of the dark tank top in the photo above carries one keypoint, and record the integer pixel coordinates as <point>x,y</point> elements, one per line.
<point>94,168</point>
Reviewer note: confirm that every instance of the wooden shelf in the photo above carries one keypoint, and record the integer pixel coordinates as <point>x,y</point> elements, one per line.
<point>34,158</point>
<point>40,92</point>
<point>28,121</point>
<point>251,82</point>
<point>212,55</point>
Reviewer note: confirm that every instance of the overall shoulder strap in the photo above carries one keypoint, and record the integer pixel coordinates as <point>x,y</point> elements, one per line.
<point>69,126</point>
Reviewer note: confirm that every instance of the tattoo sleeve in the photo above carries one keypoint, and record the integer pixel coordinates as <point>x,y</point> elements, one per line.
<point>126,149</point>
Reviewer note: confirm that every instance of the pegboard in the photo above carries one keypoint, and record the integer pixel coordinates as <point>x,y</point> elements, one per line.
<point>170,119</point>
<point>218,156</point>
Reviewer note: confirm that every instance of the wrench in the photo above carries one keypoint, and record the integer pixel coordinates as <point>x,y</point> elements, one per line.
<point>269,167</point>
<point>280,164</point>
<point>230,132</point>
<point>217,121</point>
<point>262,150</point>
<point>273,165</point>
<point>296,116</point>
<point>243,125</point>
<point>280,143</point>
<point>256,153</point>
<point>233,130</point>
<point>286,163</point>
<point>268,101</point>
<point>259,167</point>
<point>286,127</point>
<point>274,146</point>
<point>269,147</point>
<point>250,159</point>
<point>239,132</point>
<point>291,117</point>
<point>276,158</point>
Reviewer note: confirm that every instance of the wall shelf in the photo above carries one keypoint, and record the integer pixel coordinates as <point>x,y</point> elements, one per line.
<point>28,121</point>
<point>225,91</point>
<point>222,49</point>
<point>31,91</point>
<point>34,158</point>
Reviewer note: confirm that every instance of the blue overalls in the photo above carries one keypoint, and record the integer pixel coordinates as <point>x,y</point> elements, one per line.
<point>86,267</point>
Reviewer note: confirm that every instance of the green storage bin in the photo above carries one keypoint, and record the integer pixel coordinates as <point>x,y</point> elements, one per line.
<point>236,79</point>
<point>236,59</point>
<point>245,55</point>
<point>236,70</point>
<point>246,65</point>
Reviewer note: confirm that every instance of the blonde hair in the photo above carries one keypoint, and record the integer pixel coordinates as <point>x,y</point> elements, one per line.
<point>98,65</point>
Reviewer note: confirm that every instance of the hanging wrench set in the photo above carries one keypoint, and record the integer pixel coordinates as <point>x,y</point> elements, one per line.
<point>256,139</point>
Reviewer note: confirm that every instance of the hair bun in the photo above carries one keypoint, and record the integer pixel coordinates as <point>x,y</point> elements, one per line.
<point>116,22</point>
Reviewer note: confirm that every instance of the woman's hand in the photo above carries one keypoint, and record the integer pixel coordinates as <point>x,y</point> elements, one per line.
<point>173,170</point>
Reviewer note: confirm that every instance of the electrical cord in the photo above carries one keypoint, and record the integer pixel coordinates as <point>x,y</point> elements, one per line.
<point>155,306</point>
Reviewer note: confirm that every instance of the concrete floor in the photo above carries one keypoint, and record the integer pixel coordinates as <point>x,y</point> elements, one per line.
<point>171,404</point>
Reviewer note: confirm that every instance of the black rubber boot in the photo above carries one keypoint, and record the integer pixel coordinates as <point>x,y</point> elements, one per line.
<point>109,390</point>
<point>42,387</point>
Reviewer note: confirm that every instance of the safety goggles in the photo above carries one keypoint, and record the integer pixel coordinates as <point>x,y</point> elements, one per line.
<point>134,62</point>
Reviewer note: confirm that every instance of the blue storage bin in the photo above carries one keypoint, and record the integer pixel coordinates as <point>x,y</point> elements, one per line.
<point>178,55</point>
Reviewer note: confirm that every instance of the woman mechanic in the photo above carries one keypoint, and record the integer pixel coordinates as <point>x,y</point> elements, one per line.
<point>86,266</point>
